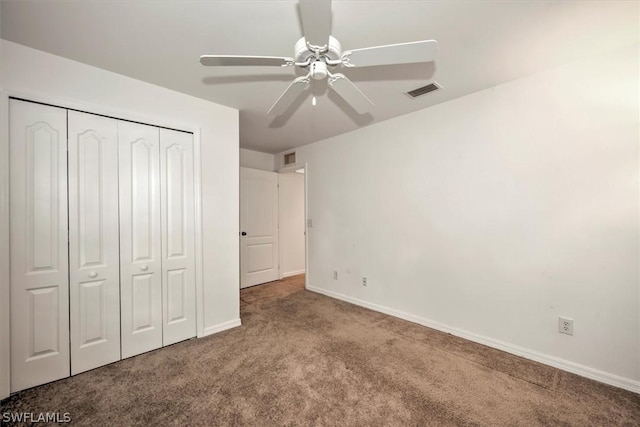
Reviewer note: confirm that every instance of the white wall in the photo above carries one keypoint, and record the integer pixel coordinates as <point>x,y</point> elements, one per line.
<point>31,72</point>
<point>491,215</point>
<point>257,160</point>
<point>4,253</point>
<point>291,219</point>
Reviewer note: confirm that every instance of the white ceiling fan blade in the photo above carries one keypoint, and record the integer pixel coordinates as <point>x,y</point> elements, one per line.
<point>240,60</point>
<point>401,53</point>
<point>350,93</point>
<point>316,21</point>
<point>289,95</point>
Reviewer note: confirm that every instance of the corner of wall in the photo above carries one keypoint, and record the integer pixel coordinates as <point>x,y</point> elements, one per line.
<point>5,350</point>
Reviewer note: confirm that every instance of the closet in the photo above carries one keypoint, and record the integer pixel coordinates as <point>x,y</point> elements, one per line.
<point>102,242</point>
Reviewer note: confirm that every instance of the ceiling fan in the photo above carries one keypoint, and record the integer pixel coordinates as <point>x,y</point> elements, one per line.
<point>319,52</point>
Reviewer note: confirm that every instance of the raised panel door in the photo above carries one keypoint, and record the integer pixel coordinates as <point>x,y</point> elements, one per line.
<point>38,249</point>
<point>178,238</point>
<point>94,258</point>
<point>140,238</point>
<point>259,227</point>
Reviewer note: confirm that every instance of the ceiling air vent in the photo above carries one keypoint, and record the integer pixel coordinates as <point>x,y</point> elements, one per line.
<point>423,90</point>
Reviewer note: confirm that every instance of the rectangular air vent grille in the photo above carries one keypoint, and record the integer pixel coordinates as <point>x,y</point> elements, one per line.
<point>423,90</point>
<point>290,158</point>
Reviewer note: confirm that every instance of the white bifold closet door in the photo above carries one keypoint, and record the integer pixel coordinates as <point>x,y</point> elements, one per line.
<point>178,236</point>
<point>39,263</point>
<point>140,238</point>
<point>94,274</point>
<point>157,241</point>
<point>102,241</point>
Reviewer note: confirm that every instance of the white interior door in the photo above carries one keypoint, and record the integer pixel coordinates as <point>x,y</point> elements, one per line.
<point>140,238</point>
<point>39,260</point>
<point>258,227</point>
<point>94,273</point>
<point>178,236</point>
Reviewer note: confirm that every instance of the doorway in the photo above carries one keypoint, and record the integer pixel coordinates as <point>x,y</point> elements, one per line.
<point>272,225</point>
<point>291,215</point>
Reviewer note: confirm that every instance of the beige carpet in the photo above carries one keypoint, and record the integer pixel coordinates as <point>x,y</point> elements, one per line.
<point>304,359</point>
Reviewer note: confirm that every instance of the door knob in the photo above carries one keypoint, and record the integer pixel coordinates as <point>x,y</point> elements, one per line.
<point>244,233</point>
<point>93,274</point>
<point>144,268</point>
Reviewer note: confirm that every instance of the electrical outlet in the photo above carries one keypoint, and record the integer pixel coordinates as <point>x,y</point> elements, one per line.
<point>364,281</point>
<point>565,325</point>
<point>335,275</point>
<point>309,223</point>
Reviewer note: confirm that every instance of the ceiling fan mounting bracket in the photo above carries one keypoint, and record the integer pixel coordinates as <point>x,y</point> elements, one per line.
<point>329,53</point>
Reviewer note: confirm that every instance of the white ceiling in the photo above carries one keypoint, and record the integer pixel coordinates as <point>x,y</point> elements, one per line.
<point>481,44</point>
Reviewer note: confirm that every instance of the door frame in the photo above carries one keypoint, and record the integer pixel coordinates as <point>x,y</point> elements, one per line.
<point>5,325</point>
<point>276,235</point>
<point>304,213</point>
<point>306,223</point>
<point>5,95</point>
<point>292,169</point>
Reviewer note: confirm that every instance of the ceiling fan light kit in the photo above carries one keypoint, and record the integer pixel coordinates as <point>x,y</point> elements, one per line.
<point>318,51</point>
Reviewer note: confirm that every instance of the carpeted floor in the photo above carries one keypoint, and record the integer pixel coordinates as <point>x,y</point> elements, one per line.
<point>305,359</point>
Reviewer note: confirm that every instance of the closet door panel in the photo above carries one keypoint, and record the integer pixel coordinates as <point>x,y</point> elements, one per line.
<point>178,248</point>
<point>38,249</point>
<point>140,238</point>
<point>93,241</point>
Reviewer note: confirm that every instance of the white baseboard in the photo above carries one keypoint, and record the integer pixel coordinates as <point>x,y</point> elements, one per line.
<point>565,365</point>
<point>293,273</point>
<point>214,329</point>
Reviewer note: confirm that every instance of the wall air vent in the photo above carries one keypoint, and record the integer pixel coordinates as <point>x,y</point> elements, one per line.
<point>423,90</point>
<point>290,158</point>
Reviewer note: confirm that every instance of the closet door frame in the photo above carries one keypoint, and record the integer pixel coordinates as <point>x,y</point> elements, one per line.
<point>5,314</point>
<point>18,93</point>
